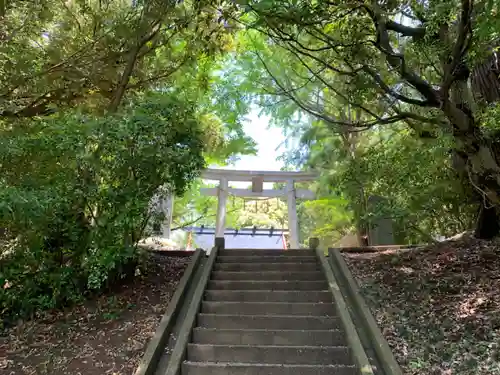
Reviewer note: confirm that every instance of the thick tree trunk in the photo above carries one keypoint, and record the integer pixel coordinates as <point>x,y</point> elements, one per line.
<point>359,211</point>
<point>480,160</point>
<point>351,145</point>
<point>487,225</point>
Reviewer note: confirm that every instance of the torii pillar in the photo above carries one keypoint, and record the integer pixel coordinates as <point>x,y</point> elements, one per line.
<point>293,221</point>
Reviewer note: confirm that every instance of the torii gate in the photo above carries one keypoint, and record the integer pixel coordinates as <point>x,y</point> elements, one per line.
<point>224,176</point>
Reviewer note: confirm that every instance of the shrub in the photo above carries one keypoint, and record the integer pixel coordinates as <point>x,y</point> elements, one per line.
<point>75,193</point>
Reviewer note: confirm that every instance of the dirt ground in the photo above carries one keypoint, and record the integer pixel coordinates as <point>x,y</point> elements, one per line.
<point>103,336</point>
<point>438,306</point>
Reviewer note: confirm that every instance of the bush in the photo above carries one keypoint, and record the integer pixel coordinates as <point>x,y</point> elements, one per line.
<point>75,193</point>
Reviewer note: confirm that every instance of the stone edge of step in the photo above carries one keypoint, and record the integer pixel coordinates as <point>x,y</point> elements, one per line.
<point>274,316</point>
<point>270,347</point>
<point>265,365</point>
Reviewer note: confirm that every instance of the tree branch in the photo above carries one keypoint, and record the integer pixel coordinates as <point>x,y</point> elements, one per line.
<point>160,76</point>
<point>184,225</point>
<point>397,61</point>
<point>337,92</point>
<point>296,100</point>
<point>383,44</point>
<point>152,31</point>
<point>460,47</point>
<point>376,77</point>
<point>300,48</point>
<point>352,126</point>
<point>125,78</point>
<point>419,118</point>
<point>406,30</point>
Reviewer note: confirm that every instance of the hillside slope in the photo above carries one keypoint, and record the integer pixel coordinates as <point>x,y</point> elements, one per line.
<point>438,306</point>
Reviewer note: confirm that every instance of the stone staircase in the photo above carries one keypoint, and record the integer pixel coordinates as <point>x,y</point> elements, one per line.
<point>268,312</point>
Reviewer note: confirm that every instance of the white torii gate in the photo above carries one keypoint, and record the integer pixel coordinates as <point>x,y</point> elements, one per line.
<point>224,176</point>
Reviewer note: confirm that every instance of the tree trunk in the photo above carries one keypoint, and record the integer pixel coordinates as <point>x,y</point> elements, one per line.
<point>362,235</point>
<point>358,198</point>
<point>487,225</point>
<point>479,158</point>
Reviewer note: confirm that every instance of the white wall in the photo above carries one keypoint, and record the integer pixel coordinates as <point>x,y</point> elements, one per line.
<point>240,241</point>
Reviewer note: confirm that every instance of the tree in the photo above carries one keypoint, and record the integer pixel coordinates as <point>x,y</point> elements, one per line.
<point>102,103</point>
<point>58,54</point>
<point>327,218</point>
<point>424,197</point>
<point>411,168</point>
<point>195,209</point>
<point>394,62</point>
<point>74,216</point>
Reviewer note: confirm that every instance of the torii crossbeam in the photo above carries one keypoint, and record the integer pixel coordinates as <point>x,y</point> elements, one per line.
<point>224,176</point>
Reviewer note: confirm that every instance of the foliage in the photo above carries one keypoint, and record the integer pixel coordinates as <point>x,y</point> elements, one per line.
<point>426,198</point>
<point>57,54</point>
<point>377,94</point>
<point>115,327</point>
<point>327,218</point>
<point>85,147</point>
<point>390,64</point>
<point>76,190</point>
<point>424,195</point>
<point>93,54</point>
<point>262,213</point>
<point>194,209</point>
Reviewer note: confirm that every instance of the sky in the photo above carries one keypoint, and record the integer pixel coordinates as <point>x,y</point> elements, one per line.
<point>268,146</point>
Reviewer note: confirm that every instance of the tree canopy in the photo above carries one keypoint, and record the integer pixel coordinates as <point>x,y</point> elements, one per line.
<point>104,104</point>
<point>365,83</point>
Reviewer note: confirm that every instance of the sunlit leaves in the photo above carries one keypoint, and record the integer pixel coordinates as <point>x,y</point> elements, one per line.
<point>60,53</point>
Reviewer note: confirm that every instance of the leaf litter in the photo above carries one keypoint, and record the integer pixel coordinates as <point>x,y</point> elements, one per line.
<point>106,335</point>
<point>437,306</point>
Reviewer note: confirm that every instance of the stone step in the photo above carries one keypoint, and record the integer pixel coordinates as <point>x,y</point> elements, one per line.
<point>267,296</point>
<point>266,252</point>
<point>268,337</point>
<point>267,266</point>
<point>213,368</point>
<point>268,308</point>
<point>267,259</point>
<point>267,285</point>
<point>300,322</point>
<point>307,355</point>
<point>268,275</point>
